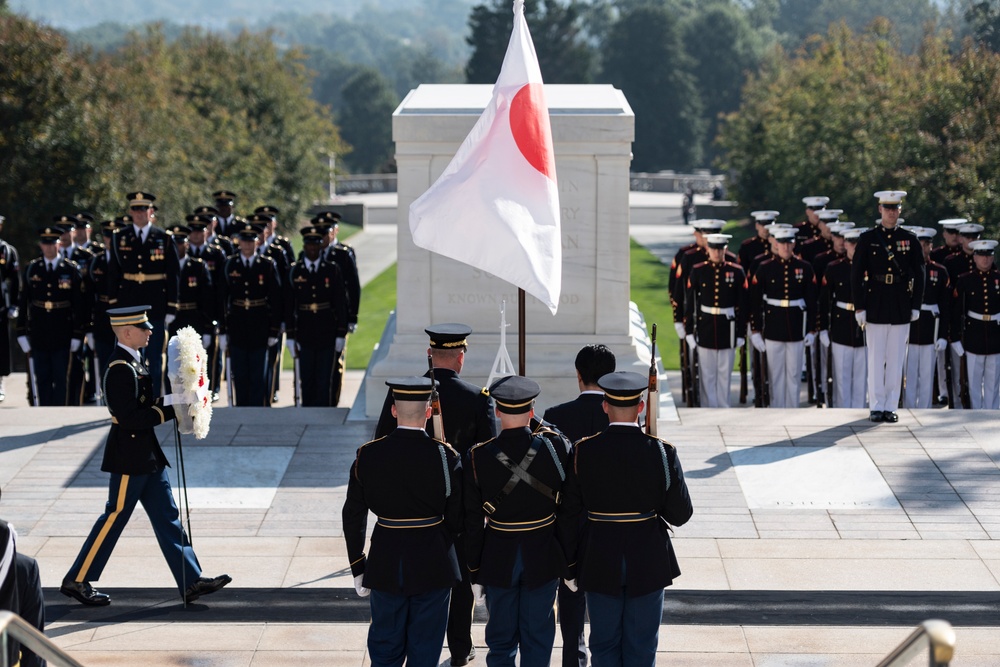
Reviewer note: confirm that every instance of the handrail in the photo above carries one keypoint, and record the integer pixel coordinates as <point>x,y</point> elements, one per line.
<point>12,625</point>
<point>934,636</point>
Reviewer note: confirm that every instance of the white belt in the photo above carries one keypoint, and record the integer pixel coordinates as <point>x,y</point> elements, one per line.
<point>845,305</point>
<point>931,308</point>
<point>712,310</point>
<point>786,303</point>
<point>984,317</point>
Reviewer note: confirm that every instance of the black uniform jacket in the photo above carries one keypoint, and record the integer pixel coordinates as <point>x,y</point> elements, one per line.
<point>783,280</point>
<point>98,276</point>
<point>492,549</point>
<point>132,448</point>
<point>977,292</point>
<point>143,273</point>
<point>617,471</point>
<point>10,277</point>
<point>467,411</point>
<point>887,275</point>
<point>196,298</point>
<point>253,302</point>
<point>940,253</point>
<point>403,476</point>
<point>839,321</point>
<point>53,306</point>
<point>749,249</point>
<point>823,260</point>
<point>688,261</point>
<point>582,417</point>
<point>315,304</point>
<point>812,248</point>
<point>937,292</point>
<point>672,279</point>
<point>345,258</point>
<point>722,285</point>
<point>958,263</point>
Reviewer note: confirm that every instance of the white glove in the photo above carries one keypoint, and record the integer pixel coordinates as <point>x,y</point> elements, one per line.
<point>571,584</point>
<point>824,338</point>
<point>862,320</point>
<point>362,591</point>
<point>957,348</point>
<point>352,327</point>
<point>223,341</point>
<point>339,345</point>
<point>679,328</point>
<point>758,342</point>
<point>940,344</point>
<point>206,340</point>
<point>74,345</point>
<point>479,594</point>
<point>13,312</point>
<point>914,315</point>
<point>740,341</point>
<point>690,340</point>
<point>168,319</point>
<point>90,341</point>
<point>272,341</point>
<point>25,345</point>
<point>809,339</point>
<point>292,347</point>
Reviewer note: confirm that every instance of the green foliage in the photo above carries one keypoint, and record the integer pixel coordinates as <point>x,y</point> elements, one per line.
<point>378,299</point>
<point>649,292</point>
<point>983,18</point>
<point>368,104</point>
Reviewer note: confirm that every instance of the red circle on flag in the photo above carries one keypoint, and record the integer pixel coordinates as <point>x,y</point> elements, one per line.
<point>530,127</point>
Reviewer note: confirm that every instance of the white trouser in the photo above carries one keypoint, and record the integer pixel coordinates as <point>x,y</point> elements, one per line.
<point>715,369</point>
<point>850,374</point>
<point>784,371</point>
<point>886,352</point>
<point>919,388</point>
<point>956,378</point>
<point>984,380</point>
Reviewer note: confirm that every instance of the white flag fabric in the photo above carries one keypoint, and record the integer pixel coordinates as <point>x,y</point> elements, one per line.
<point>496,206</point>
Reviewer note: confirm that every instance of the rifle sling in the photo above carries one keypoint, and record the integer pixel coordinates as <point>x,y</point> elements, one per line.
<point>519,474</point>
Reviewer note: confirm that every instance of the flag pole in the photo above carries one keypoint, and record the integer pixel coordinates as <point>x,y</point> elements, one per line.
<point>520,331</point>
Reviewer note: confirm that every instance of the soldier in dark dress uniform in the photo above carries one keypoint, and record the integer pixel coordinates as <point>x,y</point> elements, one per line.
<point>957,263</point>
<point>53,319</point>
<point>227,223</point>
<point>467,412</point>
<point>514,558</point>
<point>81,234</point>
<point>629,487</point>
<point>783,317</point>
<point>315,320</point>
<point>81,257</point>
<point>271,236</point>
<point>103,337</point>
<point>810,248</point>
<point>976,326</point>
<point>715,310</point>
<point>138,471</point>
<point>952,242</point>
<point>929,333</point>
<point>344,256</point>
<point>143,270</point>
<point>840,336</point>
<point>10,293</point>
<point>265,247</point>
<point>887,283</point>
<point>809,227</point>
<point>211,217</point>
<point>214,255</point>
<point>413,484</point>
<point>252,320</point>
<point>755,245</point>
<point>196,299</point>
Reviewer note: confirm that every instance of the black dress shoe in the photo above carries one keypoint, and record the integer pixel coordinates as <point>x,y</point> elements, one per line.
<point>204,586</point>
<point>84,593</point>
<point>876,416</point>
<point>458,662</point>
<point>890,417</point>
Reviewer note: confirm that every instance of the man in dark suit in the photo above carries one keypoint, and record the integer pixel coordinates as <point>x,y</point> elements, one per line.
<point>467,412</point>
<point>629,488</point>
<point>413,484</point>
<point>138,470</point>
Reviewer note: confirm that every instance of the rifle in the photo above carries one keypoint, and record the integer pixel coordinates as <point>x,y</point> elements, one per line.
<point>765,379</point>
<point>295,371</point>
<point>948,377</point>
<point>829,376</point>
<point>821,397</point>
<point>811,388</point>
<point>229,378</point>
<point>653,396</point>
<point>963,380</point>
<point>758,385</point>
<point>685,373</point>
<point>694,394</point>
<point>743,373</point>
<point>32,384</point>
<point>437,421</point>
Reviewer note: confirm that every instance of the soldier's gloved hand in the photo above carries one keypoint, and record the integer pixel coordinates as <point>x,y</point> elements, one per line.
<point>362,591</point>
<point>809,339</point>
<point>272,341</point>
<point>74,345</point>
<point>862,320</point>
<point>824,338</point>
<point>25,345</point>
<point>292,347</point>
<point>90,341</point>
<point>338,345</point>
<point>740,342</point>
<point>679,328</point>
<point>758,342</point>
<point>940,344</point>
<point>914,315</point>
<point>206,340</point>
<point>13,312</point>
<point>571,584</point>
<point>352,327</point>
<point>223,342</point>
<point>957,348</point>
<point>479,594</point>
<point>169,319</point>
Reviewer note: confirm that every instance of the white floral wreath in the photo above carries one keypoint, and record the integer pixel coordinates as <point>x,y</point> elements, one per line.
<point>187,369</point>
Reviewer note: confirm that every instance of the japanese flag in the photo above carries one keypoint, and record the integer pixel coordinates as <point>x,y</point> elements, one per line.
<point>496,206</point>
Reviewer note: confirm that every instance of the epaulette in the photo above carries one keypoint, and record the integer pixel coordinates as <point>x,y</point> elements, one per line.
<point>668,444</point>
<point>485,391</point>
<point>370,442</point>
<point>735,265</point>
<point>699,264</point>
<point>450,448</point>
<point>480,444</point>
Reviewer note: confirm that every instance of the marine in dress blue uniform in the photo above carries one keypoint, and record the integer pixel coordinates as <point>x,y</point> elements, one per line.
<point>10,291</point>
<point>629,487</point>
<point>929,333</point>
<point>413,484</point>
<point>976,326</point>
<point>887,284</point>
<point>137,465</point>
<point>582,417</point>
<point>512,486</point>
<point>957,263</point>
<point>809,227</point>
<point>840,336</point>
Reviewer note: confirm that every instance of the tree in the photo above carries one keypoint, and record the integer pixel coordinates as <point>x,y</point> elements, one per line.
<point>564,55</point>
<point>983,19</point>
<point>366,121</point>
<point>643,56</point>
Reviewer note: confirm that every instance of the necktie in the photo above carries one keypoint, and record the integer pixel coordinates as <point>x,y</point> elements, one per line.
<point>312,268</point>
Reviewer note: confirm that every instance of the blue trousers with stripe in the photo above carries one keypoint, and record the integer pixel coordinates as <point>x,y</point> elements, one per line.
<point>408,627</point>
<point>624,630</point>
<point>124,491</point>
